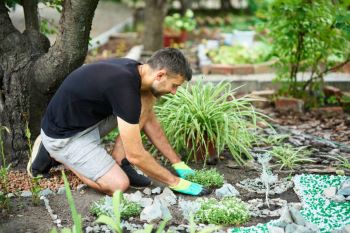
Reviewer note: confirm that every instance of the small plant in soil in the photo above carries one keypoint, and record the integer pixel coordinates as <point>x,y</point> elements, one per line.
<point>273,140</point>
<point>35,189</point>
<point>288,156</point>
<point>210,178</point>
<point>227,211</point>
<point>77,227</point>
<point>343,162</point>
<point>4,169</point>
<point>105,207</point>
<point>206,114</point>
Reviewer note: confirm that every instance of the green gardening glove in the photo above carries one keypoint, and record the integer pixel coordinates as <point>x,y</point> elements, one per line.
<point>182,169</point>
<point>190,188</point>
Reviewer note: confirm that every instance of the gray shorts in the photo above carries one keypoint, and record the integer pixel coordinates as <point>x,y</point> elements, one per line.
<point>83,152</point>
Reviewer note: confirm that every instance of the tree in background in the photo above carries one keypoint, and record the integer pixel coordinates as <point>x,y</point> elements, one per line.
<point>308,36</point>
<point>31,69</point>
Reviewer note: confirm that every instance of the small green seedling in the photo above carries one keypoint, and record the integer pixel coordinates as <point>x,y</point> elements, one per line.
<point>209,178</point>
<point>77,227</point>
<point>227,211</point>
<point>35,189</point>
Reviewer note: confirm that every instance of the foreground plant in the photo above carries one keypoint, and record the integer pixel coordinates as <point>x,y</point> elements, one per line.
<point>288,157</point>
<point>4,170</point>
<point>209,178</point>
<point>105,207</point>
<point>227,211</point>
<point>200,115</point>
<point>77,221</point>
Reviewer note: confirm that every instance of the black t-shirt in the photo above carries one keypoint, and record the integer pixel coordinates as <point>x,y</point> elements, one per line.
<point>92,93</point>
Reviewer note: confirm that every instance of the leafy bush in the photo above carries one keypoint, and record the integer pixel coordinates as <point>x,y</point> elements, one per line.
<point>105,207</point>
<point>177,22</point>
<point>308,36</point>
<point>289,157</point>
<point>239,54</point>
<point>201,113</point>
<point>229,210</point>
<point>210,178</point>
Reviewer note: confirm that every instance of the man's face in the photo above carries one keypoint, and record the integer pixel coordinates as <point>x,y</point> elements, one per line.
<point>165,83</point>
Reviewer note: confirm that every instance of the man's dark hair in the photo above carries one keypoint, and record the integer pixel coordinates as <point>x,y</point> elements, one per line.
<point>172,60</point>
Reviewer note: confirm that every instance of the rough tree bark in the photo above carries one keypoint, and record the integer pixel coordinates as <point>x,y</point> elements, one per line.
<point>155,12</point>
<point>31,70</point>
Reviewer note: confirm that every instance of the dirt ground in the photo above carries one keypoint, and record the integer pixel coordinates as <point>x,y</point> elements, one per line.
<point>24,217</point>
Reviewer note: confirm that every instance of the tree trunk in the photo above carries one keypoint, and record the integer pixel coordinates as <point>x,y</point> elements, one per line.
<point>155,12</point>
<point>31,70</point>
<point>225,5</point>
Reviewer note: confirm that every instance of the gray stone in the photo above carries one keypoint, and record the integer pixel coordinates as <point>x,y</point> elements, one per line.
<point>9,195</point>
<point>274,229</point>
<point>46,192</point>
<point>338,198</point>
<point>227,190</point>
<point>167,198</point>
<point>344,188</point>
<point>26,194</point>
<point>285,218</point>
<point>165,212</point>
<point>61,190</point>
<point>147,191</point>
<point>334,152</point>
<point>297,217</point>
<point>144,202</point>
<point>291,228</point>
<point>151,213</point>
<point>81,187</point>
<point>156,190</point>
<point>89,229</point>
<point>346,229</point>
<point>96,228</point>
<point>134,197</point>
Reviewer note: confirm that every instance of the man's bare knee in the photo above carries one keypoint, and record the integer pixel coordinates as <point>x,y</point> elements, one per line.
<point>110,188</point>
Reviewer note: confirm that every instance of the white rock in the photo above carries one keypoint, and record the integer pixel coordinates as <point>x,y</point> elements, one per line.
<point>227,190</point>
<point>167,198</point>
<point>134,197</point>
<point>156,190</point>
<point>26,194</point>
<point>147,191</point>
<point>46,192</point>
<point>273,229</point>
<point>330,192</point>
<point>152,212</point>
<point>144,202</point>
<point>61,190</point>
<point>81,187</point>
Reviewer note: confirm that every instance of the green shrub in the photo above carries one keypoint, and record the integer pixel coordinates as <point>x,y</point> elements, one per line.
<point>105,207</point>
<point>210,178</point>
<point>201,113</point>
<point>288,156</point>
<point>228,211</point>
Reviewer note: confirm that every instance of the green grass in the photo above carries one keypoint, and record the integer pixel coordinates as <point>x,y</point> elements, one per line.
<point>210,178</point>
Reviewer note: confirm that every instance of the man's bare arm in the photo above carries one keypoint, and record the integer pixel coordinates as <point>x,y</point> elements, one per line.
<point>155,133</point>
<point>137,155</point>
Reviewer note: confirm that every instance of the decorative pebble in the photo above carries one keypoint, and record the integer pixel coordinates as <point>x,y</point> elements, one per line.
<point>26,194</point>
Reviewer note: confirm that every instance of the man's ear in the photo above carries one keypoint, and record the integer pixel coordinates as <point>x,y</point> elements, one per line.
<point>160,74</point>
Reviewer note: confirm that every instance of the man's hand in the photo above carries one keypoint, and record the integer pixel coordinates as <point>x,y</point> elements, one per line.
<point>182,169</point>
<point>190,188</point>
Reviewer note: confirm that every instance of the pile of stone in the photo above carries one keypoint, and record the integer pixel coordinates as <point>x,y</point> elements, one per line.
<point>291,221</point>
<point>341,194</point>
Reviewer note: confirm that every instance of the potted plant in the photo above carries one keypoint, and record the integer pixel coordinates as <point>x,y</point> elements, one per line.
<point>176,27</point>
<point>200,115</point>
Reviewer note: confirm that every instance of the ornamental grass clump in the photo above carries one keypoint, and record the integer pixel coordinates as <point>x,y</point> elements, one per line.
<point>228,211</point>
<point>210,178</point>
<point>203,114</point>
<point>288,156</point>
<point>105,207</point>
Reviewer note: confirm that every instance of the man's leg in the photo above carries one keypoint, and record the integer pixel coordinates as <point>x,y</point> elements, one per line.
<point>114,179</point>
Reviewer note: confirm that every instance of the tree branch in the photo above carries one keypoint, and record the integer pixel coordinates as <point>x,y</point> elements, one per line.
<point>6,26</point>
<point>71,44</point>
<point>31,16</point>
